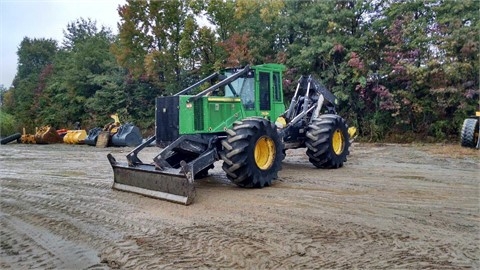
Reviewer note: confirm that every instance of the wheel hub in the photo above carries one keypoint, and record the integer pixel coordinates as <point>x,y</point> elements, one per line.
<point>264,152</point>
<point>338,142</point>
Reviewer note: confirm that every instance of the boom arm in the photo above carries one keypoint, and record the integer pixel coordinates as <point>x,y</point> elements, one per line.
<point>220,84</point>
<point>186,90</point>
<point>314,93</point>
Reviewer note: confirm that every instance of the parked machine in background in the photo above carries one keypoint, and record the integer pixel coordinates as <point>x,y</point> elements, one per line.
<point>92,136</point>
<point>470,130</point>
<point>240,119</point>
<point>75,136</point>
<point>43,135</point>
<point>114,134</point>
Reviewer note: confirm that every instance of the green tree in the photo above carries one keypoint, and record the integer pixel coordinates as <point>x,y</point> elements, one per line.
<point>457,62</point>
<point>35,58</point>
<point>333,40</point>
<point>247,30</point>
<point>8,124</point>
<point>397,67</point>
<point>431,81</point>
<point>155,38</point>
<point>221,14</point>
<point>84,68</point>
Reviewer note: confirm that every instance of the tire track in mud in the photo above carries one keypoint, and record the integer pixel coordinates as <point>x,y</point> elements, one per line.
<point>41,249</point>
<point>300,229</point>
<point>71,219</point>
<point>89,214</point>
<point>78,209</point>
<point>240,246</point>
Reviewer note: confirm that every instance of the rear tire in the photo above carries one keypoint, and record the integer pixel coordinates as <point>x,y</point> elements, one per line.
<point>253,153</point>
<point>469,134</point>
<point>328,141</point>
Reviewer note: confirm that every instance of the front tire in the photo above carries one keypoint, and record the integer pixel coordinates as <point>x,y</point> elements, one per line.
<point>253,153</point>
<point>328,141</point>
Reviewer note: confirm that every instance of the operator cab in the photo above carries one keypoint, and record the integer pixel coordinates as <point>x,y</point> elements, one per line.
<point>261,83</point>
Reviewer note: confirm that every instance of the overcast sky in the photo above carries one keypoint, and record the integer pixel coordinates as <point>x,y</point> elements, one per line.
<point>45,19</point>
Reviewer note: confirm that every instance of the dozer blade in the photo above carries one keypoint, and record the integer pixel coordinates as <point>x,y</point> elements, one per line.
<point>145,179</point>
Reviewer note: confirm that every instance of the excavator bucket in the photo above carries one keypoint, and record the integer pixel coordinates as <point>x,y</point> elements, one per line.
<point>169,177</point>
<point>47,135</point>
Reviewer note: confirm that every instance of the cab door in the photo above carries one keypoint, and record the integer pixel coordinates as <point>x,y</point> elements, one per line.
<point>278,107</point>
<point>270,97</point>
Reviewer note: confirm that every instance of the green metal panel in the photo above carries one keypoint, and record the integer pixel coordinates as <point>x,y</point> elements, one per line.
<point>186,116</point>
<point>209,114</point>
<point>222,112</point>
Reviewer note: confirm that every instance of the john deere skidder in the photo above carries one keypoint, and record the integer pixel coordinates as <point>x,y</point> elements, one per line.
<point>240,119</point>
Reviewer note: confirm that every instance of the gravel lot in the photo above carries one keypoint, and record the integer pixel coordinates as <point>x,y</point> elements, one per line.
<point>391,206</point>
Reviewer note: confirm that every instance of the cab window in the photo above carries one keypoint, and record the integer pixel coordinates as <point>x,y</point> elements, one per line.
<point>277,96</point>
<point>264,84</point>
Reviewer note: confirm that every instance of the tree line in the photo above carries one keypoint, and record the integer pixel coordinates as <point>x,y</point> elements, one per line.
<point>402,70</point>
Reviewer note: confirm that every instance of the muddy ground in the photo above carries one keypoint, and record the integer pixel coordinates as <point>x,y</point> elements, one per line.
<point>390,206</point>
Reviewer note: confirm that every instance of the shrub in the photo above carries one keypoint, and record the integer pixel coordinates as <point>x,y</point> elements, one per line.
<point>8,125</point>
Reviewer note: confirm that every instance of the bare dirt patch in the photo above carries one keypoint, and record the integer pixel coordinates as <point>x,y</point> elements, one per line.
<point>390,206</point>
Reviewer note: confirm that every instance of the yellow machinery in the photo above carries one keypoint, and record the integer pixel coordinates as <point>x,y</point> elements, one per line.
<point>109,129</point>
<point>43,135</point>
<point>27,138</point>
<point>75,136</point>
<point>47,135</point>
<point>113,127</point>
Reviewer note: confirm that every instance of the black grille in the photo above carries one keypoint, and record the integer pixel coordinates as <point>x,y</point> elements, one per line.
<point>166,119</point>
<point>198,114</point>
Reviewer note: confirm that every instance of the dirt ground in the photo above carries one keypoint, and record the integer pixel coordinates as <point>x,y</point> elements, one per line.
<point>391,206</point>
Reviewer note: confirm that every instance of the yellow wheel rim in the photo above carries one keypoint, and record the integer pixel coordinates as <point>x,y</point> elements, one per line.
<point>338,142</point>
<point>264,152</point>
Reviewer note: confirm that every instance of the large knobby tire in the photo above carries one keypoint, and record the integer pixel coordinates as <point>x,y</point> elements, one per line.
<point>469,134</point>
<point>328,141</point>
<point>253,153</point>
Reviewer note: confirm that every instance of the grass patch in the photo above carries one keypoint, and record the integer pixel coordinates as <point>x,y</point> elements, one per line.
<point>450,150</point>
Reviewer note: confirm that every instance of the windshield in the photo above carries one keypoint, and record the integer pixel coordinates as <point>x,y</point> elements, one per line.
<point>243,87</point>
